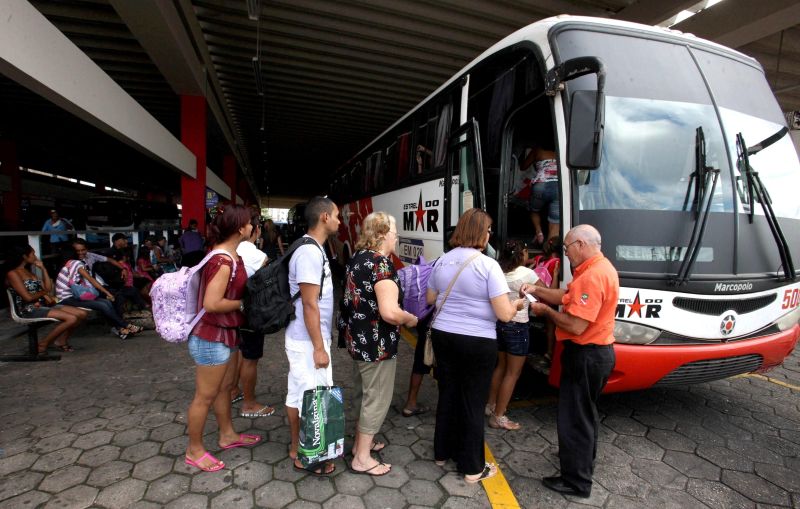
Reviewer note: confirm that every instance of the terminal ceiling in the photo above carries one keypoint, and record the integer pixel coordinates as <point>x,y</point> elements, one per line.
<point>333,74</point>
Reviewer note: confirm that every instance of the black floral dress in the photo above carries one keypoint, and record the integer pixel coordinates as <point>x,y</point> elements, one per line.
<point>24,309</point>
<point>368,338</point>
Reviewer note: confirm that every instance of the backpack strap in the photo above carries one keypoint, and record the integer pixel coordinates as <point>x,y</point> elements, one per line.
<point>302,241</point>
<point>199,267</point>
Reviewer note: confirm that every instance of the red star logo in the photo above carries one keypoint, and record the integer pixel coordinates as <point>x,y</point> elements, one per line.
<point>420,213</point>
<point>636,307</point>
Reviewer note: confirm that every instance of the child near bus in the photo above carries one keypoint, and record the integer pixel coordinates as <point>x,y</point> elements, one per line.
<point>512,337</point>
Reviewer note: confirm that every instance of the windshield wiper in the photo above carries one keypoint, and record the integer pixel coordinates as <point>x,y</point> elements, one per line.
<point>702,176</point>
<point>757,192</point>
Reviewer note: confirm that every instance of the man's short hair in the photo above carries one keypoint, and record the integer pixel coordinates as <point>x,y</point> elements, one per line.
<point>315,207</point>
<point>118,236</point>
<point>80,242</point>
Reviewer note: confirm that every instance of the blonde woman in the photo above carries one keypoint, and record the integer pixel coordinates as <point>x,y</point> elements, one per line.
<point>371,321</point>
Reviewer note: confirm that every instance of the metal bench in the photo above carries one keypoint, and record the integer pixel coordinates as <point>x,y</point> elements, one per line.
<point>33,336</point>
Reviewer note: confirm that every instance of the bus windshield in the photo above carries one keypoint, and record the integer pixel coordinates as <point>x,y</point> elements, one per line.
<point>659,94</point>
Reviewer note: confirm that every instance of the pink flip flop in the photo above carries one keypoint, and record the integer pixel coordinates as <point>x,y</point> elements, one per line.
<point>241,443</point>
<point>218,465</point>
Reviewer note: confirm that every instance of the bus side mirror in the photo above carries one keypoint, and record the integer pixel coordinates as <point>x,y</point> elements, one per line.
<point>585,139</point>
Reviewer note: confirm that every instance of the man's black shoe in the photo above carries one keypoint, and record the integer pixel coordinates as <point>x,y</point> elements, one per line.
<point>557,483</point>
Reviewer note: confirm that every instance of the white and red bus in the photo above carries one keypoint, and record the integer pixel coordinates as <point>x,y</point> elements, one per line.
<point>673,147</point>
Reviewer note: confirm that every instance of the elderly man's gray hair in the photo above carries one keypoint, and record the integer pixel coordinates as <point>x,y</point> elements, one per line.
<point>586,233</point>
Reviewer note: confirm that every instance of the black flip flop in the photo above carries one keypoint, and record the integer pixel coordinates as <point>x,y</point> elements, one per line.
<point>367,471</point>
<point>312,469</point>
<point>416,411</point>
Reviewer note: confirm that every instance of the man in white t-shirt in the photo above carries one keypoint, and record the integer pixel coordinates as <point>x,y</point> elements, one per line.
<point>308,336</point>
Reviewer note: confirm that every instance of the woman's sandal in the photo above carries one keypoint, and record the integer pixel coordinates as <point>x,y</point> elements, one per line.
<point>490,470</point>
<point>369,470</point>
<point>64,348</point>
<point>503,422</point>
<point>217,465</point>
<point>134,329</point>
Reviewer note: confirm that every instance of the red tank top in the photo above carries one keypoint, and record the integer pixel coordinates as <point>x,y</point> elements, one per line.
<point>222,327</point>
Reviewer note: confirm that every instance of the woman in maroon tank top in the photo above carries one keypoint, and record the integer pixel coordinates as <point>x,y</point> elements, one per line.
<point>216,335</point>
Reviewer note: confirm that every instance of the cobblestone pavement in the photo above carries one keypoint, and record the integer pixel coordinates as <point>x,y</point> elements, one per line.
<point>105,427</point>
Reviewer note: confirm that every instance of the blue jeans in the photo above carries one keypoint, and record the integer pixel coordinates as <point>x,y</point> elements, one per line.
<point>208,353</point>
<point>512,338</point>
<point>102,305</point>
<point>546,194</point>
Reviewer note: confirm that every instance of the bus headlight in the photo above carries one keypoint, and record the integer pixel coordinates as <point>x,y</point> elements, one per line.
<point>788,320</point>
<point>634,334</point>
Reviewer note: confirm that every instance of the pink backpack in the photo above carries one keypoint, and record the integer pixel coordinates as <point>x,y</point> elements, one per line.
<point>414,280</point>
<point>175,300</point>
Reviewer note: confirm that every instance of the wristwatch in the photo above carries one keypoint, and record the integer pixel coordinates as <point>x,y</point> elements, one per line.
<point>241,306</point>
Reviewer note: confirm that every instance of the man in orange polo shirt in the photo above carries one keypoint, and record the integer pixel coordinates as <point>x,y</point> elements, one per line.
<point>586,327</point>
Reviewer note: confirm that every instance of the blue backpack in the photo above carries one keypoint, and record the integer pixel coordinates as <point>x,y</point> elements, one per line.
<point>414,280</point>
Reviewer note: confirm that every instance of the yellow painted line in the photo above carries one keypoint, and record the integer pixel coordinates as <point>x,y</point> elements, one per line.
<point>497,488</point>
<point>776,382</point>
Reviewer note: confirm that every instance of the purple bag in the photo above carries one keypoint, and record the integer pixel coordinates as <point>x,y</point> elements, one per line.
<point>175,297</point>
<point>414,280</point>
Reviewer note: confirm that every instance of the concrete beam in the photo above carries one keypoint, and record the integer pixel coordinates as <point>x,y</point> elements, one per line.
<point>653,12</point>
<point>735,23</point>
<point>158,28</point>
<point>216,184</point>
<point>35,54</point>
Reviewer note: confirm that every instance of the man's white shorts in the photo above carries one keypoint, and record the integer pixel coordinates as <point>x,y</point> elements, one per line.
<point>302,374</point>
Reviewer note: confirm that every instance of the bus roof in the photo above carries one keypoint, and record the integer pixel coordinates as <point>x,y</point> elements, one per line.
<point>537,32</point>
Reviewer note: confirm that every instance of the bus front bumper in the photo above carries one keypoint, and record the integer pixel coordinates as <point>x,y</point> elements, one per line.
<point>642,366</point>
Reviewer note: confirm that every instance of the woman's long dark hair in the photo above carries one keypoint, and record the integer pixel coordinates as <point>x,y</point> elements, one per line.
<point>16,255</point>
<point>227,223</point>
<point>512,255</point>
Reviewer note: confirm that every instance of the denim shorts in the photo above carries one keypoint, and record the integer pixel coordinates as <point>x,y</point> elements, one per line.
<point>546,194</point>
<point>512,338</point>
<point>208,353</point>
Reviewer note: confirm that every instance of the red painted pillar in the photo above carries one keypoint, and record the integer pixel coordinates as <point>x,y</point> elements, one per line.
<point>193,135</point>
<point>229,174</point>
<point>9,166</point>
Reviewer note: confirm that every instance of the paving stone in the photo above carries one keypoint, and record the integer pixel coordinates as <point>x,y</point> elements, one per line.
<point>315,489</point>
<point>422,492</point>
<point>500,448</point>
<point>304,504</point>
<point>717,495</point>
<point>93,439</point>
<point>89,425</point>
<point>130,437</point>
<point>75,498</point>
<point>424,469</point>
<point>726,458</point>
<point>525,440</point>
<point>18,446</point>
<point>473,503</point>
<point>610,454</point>
<point>144,504</point>
<point>15,432</point>
<point>671,440</point>
<point>755,488</point>
<point>54,443</point>
<point>13,485</point>
<point>639,447</point>
<point>235,457</point>
<point>780,476</point>
<point>654,420</point>
<point>769,449</point>
<point>252,475</point>
<point>122,494</point>
<point>342,501</point>
<point>109,473</point>
<point>124,422</point>
<point>188,501</point>
<point>666,498</point>
<point>175,446</point>
<point>152,468</point>
<point>57,459</point>
<point>455,485</point>
<point>115,411</point>
<point>167,488</point>
<point>700,434</point>
<point>529,464</point>
<point>99,456</point>
<point>28,499</point>
<point>625,425</point>
<point>423,450</point>
<point>17,462</point>
<point>270,452</point>
<point>275,494</point>
<point>658,473</point>
<point>403,436</point>
<point>212,482</point>
<point>692,466</point>
<point>140,451</point>
<point>233,498</point>
<point>150,407</point>
<point>167,431</point>
<point>349,483</point>
<point>383,498</point>
<point>396,477</point>
<point>620,481</point>
<point>65,478</point>
<point>157,419</point>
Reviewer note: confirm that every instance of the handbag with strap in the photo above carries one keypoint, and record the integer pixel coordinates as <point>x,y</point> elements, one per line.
<point>429,359</point>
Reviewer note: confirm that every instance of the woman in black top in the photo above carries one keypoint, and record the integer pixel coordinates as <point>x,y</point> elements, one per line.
<point>371,323</point>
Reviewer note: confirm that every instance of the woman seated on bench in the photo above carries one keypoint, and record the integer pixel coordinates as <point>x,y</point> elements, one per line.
<point>33,299</point>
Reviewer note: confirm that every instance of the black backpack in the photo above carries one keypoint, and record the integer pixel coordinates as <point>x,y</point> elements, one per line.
<point>268,304</point>
<point>111,275</point>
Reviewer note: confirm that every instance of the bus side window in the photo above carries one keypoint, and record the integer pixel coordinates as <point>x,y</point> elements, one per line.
<point>403,152</point>
<point>389,165</point>
<point>443,124</point>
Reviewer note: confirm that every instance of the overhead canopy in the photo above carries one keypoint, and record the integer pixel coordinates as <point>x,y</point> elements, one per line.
<point>333,74</point>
